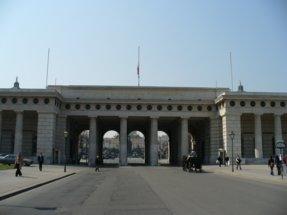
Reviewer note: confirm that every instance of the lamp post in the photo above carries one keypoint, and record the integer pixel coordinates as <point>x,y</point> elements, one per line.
<point>231,134</point>
<point>65,156</point>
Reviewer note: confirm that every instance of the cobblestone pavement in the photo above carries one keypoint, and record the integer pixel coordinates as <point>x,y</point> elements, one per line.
<point>31,176</point>
<point>150,190</point>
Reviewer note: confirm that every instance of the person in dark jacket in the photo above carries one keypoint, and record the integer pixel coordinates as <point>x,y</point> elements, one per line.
<point>40,161</point>
<point>18,165</point>
<point>271,165</point>
<point>97,166</point>
<point>219,160</point>
<point>278,163</point>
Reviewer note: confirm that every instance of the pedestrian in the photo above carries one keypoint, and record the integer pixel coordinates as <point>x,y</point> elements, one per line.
<point>285,164</point>
<point>40,161</point>
<point>271,165</point>
<point>238,162</point>
<point>219,161</point>
<point>97,166</point>
<point>226,161</point>
<point>18,165</point>
<point>278,163</point>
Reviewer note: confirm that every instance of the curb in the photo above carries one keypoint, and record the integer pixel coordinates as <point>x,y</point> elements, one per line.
<point>262,180</point>
<point>14,193</point>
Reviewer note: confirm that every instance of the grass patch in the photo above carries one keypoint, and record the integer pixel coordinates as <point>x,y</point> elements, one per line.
<point>6,166</point>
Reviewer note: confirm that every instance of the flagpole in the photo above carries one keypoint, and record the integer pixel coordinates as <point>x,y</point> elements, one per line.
<point>47,72</point>
<point>138,68</point>
<point>231,72</point>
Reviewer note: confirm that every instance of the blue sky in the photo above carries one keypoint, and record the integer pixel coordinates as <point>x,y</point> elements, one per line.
<point>183,43</point>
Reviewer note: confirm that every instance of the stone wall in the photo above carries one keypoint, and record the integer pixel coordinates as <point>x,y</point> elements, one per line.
<point>46,135</point>
<point>8,131</point>
<point>267,134</point>
<point>231,122</point>
<point>248,137</point>
<point>61,125</point>
<point>29,142</point>
<point>215,138</point>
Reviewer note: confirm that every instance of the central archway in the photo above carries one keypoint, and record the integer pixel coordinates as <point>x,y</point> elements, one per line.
<point>111,141</point>
<point>136,148</point>
<point>83,147</point>
<point>163,148</point>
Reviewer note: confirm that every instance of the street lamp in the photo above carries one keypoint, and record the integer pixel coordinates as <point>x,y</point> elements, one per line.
<point>231,135</point>
<point>66,138</point>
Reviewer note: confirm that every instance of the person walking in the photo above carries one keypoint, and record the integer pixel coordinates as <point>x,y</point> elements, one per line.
<point>97,167</point>
<point>40,161</point>
<point>226,161</point>
<point>271,165</point>
<point>278,163</point>
<point>219,161</point>
<point>18,165</point>
<point>284,163</point>
<point>238,162</point>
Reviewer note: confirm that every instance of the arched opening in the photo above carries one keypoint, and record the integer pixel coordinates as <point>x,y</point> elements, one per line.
<point>83,147</point>
<point>196,144</point>
<point>111,143</point>
<point>136,148</point>
<point>163,148</point>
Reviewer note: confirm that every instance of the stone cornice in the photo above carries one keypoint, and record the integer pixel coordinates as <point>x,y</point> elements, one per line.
<point>251,96</point>
<point>142,101</point>
<point>30,93</point>
<point>140,88</point>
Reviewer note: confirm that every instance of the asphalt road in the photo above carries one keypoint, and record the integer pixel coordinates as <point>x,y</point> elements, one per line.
<point>144,190</point>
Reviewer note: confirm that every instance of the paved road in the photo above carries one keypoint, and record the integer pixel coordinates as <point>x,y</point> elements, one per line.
<point>144,190</point>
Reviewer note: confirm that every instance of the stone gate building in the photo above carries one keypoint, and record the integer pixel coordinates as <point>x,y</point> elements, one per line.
<point>34,120</point>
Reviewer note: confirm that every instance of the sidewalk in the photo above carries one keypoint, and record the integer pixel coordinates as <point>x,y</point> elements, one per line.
<point>254,172</point>
<point>31,177</point>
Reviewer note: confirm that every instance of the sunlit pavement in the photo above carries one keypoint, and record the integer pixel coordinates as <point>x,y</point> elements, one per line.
<point>150,190</point>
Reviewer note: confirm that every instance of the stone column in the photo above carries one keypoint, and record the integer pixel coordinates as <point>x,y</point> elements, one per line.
<point>60,139</point>
<point>232,122</point>
<point>277,127</point>
<point>183,145</point>
<point>18,133</point>
<point>123,142</point>
<point>153,153</point>
<point>258,136</point>
<point>92,141</point>
<point>215,133</point>
<point>277,130</point>
<point>46,135</point>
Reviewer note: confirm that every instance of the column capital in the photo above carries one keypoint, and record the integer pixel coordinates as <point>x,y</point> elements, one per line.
<point>62,115</point>
<point>154,117</point>
<point>123,117</point>
<point>232,115</point>
<point>91,116</point>
<point>18,111</point>
<point>184,117</point>
<point>258,114</point>
<point>47,112</point>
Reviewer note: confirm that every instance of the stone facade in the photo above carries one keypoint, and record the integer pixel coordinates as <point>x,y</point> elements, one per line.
<point>34,120</point>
